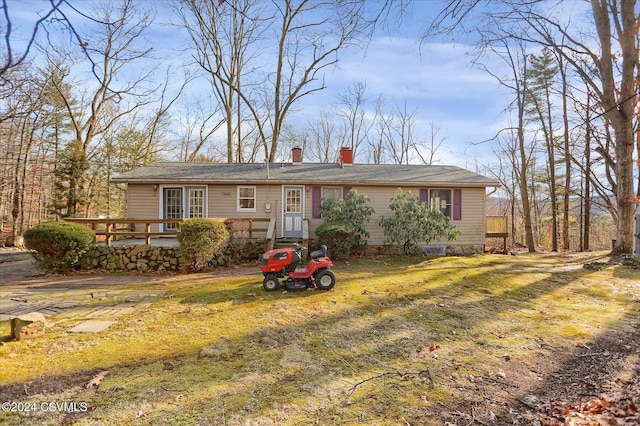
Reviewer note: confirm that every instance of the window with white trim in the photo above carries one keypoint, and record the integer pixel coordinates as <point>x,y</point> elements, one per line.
<point>246,198</point>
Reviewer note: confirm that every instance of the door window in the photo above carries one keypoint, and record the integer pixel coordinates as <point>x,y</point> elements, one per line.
<point>196,202</point>
<point>294,200</point>
<point>173,207</point>
<point>182,203</point>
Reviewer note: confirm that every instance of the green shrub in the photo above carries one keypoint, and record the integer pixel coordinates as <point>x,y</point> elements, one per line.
<point>201,240</point>
<point>339,238</point>
<point>58,246</point>
<point>413,222</point>
<point>242,249</point>
<point>345,223</point>
<point>354,212</point>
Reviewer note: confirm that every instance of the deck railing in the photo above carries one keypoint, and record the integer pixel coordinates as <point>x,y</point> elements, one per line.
<point>112,228</point>
<point>497,226</point>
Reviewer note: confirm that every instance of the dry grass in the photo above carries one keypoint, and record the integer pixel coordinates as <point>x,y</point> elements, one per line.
<point>398,341</point>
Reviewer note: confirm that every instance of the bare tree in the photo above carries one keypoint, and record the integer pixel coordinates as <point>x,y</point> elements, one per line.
<point>223,34</point>
<point>51,17</point>
<point>516,60</point>
<point>311,35</point>
<point>113,52</point>
<point>25,136</point>
<point>195,131</point>
<point>321,145</point>
<point>430,147</point>
<point>403,128</point>
<point>567,155</point>
<point>610,71</point>
<point>382,136</point>
<point>10,57</point>
<point>356,126</point>
<point>305,37</point>
<point>619,101</point>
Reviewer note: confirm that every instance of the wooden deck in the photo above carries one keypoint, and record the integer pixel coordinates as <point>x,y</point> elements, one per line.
<point>133,229</point>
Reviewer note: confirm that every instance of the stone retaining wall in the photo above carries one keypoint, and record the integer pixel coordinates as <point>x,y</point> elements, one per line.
<point>145,258</point>
<point>133,258</point>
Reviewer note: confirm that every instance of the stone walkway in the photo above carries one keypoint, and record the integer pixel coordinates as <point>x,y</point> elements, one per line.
<point>73,300</point>
<point>84,302</point>
<point>74,304</point>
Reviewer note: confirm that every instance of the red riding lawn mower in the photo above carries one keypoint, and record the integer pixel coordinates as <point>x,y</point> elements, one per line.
<point>282,263</point>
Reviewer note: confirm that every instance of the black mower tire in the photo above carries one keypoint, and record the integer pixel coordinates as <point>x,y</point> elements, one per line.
<point>271,282</point>
<point>325,279</point>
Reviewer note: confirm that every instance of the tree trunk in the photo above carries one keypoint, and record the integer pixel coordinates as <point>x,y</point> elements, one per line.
<point>619,110</point>
<point>567,164</point>
<point>587,183</point>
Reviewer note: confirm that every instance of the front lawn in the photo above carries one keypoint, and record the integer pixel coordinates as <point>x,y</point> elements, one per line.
<point>486,339</point>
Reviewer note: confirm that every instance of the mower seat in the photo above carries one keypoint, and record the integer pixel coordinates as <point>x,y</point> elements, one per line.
<point>319,253</point>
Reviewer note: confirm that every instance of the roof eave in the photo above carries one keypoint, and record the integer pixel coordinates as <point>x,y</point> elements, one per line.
<point>147,181</point>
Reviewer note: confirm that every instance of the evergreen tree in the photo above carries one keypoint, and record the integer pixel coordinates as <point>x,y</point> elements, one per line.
<point>539,110</point>
<point>69,181</point>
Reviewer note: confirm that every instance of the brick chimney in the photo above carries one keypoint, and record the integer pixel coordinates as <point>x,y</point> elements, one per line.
<point>346,156</point>
<point>296,155</point>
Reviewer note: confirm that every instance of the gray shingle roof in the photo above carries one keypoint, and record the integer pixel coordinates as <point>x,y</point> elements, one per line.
<point>305,173</point>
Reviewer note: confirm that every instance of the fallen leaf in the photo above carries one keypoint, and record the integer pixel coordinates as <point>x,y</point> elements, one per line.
<point>97,379</point>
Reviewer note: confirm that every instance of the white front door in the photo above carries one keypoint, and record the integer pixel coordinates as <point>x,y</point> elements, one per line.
<point>292,211</point>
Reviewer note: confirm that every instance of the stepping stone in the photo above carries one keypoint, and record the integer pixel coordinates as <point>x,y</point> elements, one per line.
<point>92,326</point>
<point>28,326</point>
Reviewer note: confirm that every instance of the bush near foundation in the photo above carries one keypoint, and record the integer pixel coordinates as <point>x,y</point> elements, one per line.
<point>58,246</point>
<point>339,238</point>
<point>345,223</point>
<point>413,222</point>
<point>201,240</point>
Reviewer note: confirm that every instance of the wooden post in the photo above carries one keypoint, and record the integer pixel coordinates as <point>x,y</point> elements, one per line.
<point>108,237</point>
<point>147,229</point>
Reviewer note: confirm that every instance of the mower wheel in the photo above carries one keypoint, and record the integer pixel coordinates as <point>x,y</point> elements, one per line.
<point>271,282</point>
<point>325,279</point>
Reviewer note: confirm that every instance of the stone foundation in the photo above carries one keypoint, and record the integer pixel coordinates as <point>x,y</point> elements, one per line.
<point>450,250</point>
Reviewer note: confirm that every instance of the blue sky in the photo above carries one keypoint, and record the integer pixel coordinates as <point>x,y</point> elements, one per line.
<point>437,79</point>
<point>434,77</point>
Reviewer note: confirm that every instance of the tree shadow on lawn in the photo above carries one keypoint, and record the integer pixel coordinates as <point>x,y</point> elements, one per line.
<point>336,361</point>
<point>596,382</point>
<point>242,289</point>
